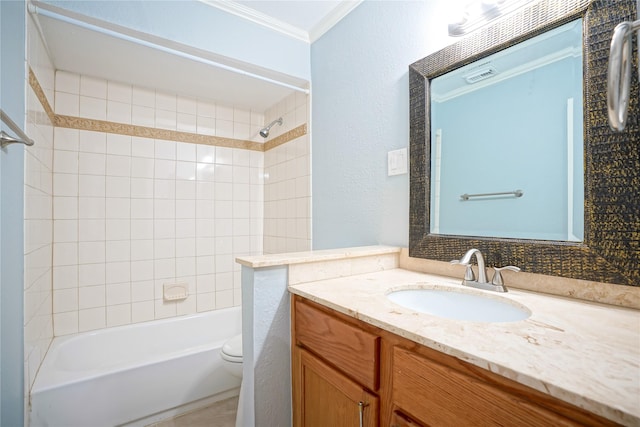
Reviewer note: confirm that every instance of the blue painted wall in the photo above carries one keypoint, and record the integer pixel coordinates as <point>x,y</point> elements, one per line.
<point>12,102</point>
<point>360,111</point>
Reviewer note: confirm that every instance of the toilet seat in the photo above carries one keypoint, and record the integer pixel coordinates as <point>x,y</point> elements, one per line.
<point>232,350</point>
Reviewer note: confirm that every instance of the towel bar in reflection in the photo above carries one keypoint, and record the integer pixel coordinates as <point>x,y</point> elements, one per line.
<point>514,193</point>
<point>6,139</point>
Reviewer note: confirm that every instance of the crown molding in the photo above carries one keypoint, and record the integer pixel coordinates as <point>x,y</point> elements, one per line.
<point>267,21</point>
<point>259,18</point>
<point>339,12</point>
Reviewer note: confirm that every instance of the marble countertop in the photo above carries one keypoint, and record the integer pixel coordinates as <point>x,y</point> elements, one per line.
<point>587,354</point>
<point>292,258</point>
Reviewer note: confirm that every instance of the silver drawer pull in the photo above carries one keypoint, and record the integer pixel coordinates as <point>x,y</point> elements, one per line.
<point>361,406</point>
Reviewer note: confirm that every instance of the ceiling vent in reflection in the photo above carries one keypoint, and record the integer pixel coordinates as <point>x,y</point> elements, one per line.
<point>479,75</point>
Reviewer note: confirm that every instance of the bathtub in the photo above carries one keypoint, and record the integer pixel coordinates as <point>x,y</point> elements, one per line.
<point>135,374</point>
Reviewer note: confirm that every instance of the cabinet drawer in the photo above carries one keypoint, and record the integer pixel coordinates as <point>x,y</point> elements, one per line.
<point>348,348</point>
<point>440,396</point>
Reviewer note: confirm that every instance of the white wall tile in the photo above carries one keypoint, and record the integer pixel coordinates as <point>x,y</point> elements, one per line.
<point>65,207</point>
<point>93,108</point>
<point>91,230</point>
<point>91,186</point>
<point>92,142</point>
<point>67,104</point>
<point>186,105</point>
<point>185,189</point>
<point>206,108</point>
<point>166,102</point>
<point>150,211</point>
<point>143,116</point>
<point>142,311</point>
<point>142,147</point>
<point>65,277</point>
<point>91,208</point>
<point>119,92</point>
<point>118,315</point>
<point>186,123</point>
<point>91,319</point>
<point>205,125</point>
<point>118,186</point>
<point>65,323</point>
<point>91,252</point>
<point>65,184</point>
<point>65,230</point>
<point>142,291</point>
<point>144,97</point>
<point>142,167</point>
<point>185,228</point>
<point>67,82</point>
<point>141,188</point>
<point>118,229</point>
<point>186,152</point>
<point>165,169</point>
<point>65,162</point>
<point>92,164</point>
<point>141,228</point>
<point>118,144</point>
<point>94,87</point>
<point>165,150</point>
<point>66,139</point>
<point>91,274</point>
<point>118,165</point>
<point>117,272</point>
<point>65,300</point>
<point>118,251</point>
<point>118,207</point>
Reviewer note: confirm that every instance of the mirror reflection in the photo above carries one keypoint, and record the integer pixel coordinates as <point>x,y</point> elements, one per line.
<point>507,142</point>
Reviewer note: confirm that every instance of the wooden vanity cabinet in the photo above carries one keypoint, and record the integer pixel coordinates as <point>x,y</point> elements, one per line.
<point>339,362</point>
<point>335,370</point>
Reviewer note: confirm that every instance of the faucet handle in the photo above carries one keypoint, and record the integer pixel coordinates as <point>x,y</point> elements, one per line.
<point>468,274</point>
<point>497,276</point>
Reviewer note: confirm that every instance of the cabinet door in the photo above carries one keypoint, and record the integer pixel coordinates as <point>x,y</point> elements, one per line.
<point>399,420</point>
<point>328,398</point>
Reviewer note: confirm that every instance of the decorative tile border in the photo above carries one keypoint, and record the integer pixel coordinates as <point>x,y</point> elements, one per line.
<point>286,137</point>
<point>81,123</point>
<point>37,89</point>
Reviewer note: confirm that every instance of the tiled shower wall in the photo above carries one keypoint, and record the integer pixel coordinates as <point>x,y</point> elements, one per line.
<point>38,215</point>
<point>287,184</point>
<point>132,214</point>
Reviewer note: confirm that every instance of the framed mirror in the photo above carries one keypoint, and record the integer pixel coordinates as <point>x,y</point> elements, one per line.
<point>606,247</point>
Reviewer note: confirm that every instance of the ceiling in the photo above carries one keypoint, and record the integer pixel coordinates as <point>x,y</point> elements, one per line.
<point>78,45</point>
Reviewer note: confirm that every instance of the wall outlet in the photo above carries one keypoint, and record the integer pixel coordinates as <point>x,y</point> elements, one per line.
<point>397,162</point>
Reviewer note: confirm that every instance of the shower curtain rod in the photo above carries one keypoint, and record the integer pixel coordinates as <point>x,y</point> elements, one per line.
<point>39,8</point>
<point>5,139</point>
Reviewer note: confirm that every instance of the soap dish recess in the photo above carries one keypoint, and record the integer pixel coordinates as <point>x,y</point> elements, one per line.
<point>175,291</point>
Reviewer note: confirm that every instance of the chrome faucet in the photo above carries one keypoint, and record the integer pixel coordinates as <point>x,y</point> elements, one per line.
<point>482,283</point>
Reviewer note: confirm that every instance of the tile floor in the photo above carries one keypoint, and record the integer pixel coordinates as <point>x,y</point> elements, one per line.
<point>219,414</point>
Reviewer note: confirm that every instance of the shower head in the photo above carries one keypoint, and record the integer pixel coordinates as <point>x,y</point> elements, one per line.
<point>265,131</point>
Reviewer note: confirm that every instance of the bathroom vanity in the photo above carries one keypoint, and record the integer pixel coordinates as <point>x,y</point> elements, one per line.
<point>347,372</point>
<point>575,360</point>
<point>356,352</point>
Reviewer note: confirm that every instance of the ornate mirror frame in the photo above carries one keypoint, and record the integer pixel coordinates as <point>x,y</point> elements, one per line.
<point>610,252</point>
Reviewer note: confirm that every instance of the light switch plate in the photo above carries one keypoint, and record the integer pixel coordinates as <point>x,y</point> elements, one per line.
<point>397,162</point>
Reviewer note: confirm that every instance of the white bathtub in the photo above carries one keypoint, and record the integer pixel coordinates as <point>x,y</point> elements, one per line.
<point>130,373</point>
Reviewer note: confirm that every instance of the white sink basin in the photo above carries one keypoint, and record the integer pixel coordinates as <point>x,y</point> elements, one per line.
<point>460,305</point>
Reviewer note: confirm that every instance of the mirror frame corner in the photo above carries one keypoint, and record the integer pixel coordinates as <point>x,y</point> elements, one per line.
<point>610,252</point>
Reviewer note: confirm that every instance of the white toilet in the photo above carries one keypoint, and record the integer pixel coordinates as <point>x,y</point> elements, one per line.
<point>231,355</point>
